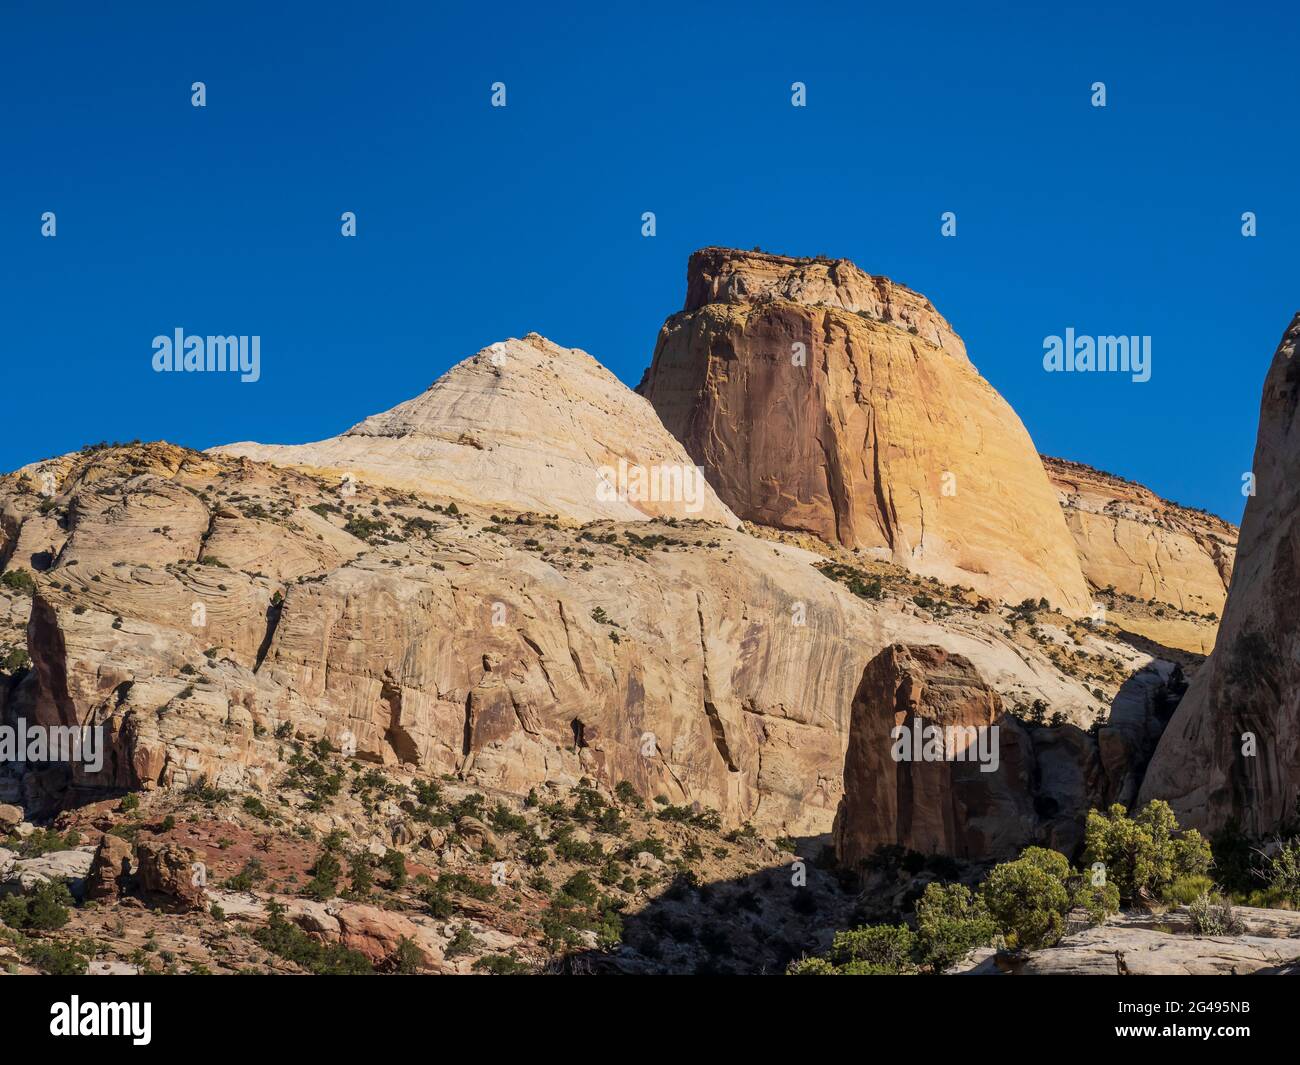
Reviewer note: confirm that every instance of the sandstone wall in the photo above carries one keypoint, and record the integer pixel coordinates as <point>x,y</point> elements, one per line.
<point>1249,690</point>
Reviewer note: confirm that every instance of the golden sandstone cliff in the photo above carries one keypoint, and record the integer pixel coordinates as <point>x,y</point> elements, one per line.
<point>451,587</point>
<point>1232,750</point>
<point>1138,548</point>
<point>820,399</point>
<point>1133,541</point>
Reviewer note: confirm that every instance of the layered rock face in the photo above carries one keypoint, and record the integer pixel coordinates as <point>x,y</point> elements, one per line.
<point>202,607</point>
<point>707,667</point>
<point>523,424</point>
<point>1232,749</point>
<point>820,399</point>
<point>935,765</point>
<point>1141,545</point>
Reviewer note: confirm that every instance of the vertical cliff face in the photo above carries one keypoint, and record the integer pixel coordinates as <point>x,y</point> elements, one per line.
<point>1232,749</point>
<point>894,795</point>
<point>820,399</point>
<point>934,764</point>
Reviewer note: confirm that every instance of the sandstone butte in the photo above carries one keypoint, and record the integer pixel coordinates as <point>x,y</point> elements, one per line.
<point>821,399</point>
<point>1232,750</point>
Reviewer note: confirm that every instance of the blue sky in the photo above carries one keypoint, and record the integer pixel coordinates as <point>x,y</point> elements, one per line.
<point>477,223</point>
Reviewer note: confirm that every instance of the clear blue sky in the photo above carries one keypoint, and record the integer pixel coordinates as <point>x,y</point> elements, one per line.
<point>478,223</point>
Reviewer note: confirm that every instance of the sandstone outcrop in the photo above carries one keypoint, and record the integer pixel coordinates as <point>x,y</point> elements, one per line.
<point>932,806</point>
<point>522,425</point>
<point>1131,540</point>
<point>1133,946</point>
<point>820,399</point>
<point>111,870</point>
<point>21,875</point>
<point>1232,749</point>
<point>167,875</point>
<point>984,784</point>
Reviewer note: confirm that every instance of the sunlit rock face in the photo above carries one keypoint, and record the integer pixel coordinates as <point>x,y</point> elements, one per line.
<point>820,399</point>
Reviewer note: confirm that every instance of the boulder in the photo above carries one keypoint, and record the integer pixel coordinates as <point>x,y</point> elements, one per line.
<point>477,836</point>
<point>377,934</point>
<point>168,877</point>
<point>1129,951</point>
<point>10,817</point>
<point>70,866</point>
<point>944,805</point>
<point>111,870</point>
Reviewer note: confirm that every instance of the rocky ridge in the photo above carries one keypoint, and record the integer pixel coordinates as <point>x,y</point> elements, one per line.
<point>1142,549</point>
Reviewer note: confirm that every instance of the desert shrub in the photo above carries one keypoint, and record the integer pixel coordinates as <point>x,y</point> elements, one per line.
<point>1283,871</point>
<point>252,873</point>
<point>581,888</point>
<point>568,916</point>
<point>42,909</point>
<point>42,841</point>
<point>437,898</point>
<point>1186,889</point>
<point>394,865</point>
<point>19,580</point>
<point>1099,900</point>
<point>875,950</point>
<point>501,965</point>
<point>504,819</point>
<point>286,940</point>
<point>55,959</point>
<point>812,967</point>
<point>463,942</point>
<point>17,659</point>
<point>1028,898</point>
<point>1213,916</point>
<point>951,921</point>
<point>1144,852</point>
<point>253,805</point>
<point>325,877</point>
<point>362,869</point>
<point>407,959</point>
